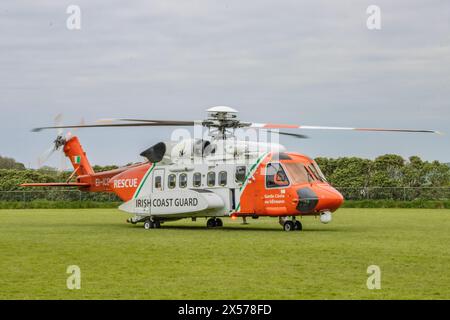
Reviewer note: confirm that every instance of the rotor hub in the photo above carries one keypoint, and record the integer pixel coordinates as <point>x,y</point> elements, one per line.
<point>222,118</point>
<point>59,142</point>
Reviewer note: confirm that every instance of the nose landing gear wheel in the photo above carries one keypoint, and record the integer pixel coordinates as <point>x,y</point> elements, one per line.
<point>298,226</point>
<point>288,226</point>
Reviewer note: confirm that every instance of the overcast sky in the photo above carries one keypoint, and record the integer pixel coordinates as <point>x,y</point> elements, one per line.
<point>301,62</point>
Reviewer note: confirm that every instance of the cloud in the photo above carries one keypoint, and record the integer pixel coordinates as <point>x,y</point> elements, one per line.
<point>310,62</point>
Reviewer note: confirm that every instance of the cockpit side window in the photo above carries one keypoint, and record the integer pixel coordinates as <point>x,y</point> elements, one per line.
<point>312,172</point>
<point>276,176</point>
<point>322,176</point>
<point>314,168</point>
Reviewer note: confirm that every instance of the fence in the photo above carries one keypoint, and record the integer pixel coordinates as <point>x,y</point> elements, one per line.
<point>396,193</point>
<point>365,193</point>
<point>56,195</point>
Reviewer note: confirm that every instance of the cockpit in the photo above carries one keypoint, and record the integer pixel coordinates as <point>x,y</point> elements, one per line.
<point>285,173</point>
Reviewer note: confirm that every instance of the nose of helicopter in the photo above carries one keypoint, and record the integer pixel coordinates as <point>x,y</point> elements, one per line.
<point>329,198</point>
<point>318,198</point>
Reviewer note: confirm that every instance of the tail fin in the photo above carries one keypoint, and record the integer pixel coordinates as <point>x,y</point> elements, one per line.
<point>74,151</point>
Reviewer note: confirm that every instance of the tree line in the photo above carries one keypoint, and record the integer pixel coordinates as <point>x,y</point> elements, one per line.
<point>345,172</point>
<point>10,163</point>
<point>388,170</point>
<point>13,173</point>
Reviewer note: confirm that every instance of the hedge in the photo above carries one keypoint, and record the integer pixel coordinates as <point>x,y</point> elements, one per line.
<point>46,204</point>
<point>423,204</point>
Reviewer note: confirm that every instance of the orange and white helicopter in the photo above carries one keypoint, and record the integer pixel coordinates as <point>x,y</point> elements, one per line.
<point>212,178</point>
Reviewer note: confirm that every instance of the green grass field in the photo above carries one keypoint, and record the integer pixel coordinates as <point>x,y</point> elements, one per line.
<point>256,261</point>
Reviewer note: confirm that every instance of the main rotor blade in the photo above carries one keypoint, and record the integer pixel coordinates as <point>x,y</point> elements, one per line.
<point>164,122</point>
<point>58,120</point>
<point>287,126</point>
<point>111,125</point>
<point>295,135</point>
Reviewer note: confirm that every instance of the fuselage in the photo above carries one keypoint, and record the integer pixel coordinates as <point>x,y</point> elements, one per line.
<point>271,184</point>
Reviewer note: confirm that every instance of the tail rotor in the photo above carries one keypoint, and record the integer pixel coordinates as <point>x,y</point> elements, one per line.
<point>57,145</point>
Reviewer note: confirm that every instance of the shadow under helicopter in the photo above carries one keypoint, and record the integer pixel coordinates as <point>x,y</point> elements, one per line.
<point>256,228</point>
<point>197,228</point>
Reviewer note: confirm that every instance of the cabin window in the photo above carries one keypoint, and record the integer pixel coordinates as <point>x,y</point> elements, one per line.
<point>276,176</point>
<point>197,180</point>
<point>172,181</point>
<point>241,172</point>
<point>158,182</point>
<point>211,178</point>
<point>223,178</point>
<point>183,180</point>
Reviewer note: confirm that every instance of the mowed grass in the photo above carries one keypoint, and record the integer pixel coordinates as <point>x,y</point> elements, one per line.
<point>184,260</point>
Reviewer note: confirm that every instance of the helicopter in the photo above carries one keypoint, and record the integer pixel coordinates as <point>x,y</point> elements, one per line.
<point>214,177</point>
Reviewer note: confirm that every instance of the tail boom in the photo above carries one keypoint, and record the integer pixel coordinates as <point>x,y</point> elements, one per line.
<point>117,180</point>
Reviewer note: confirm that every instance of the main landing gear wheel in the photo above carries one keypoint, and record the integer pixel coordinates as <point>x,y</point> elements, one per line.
<point>211,223</point>
<point>298,226</point>
<point>214,223</point>
<point>288,226</point>
<point>148,224</point>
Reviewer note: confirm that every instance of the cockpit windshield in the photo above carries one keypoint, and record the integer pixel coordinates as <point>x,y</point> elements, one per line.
<point>298,173</point>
